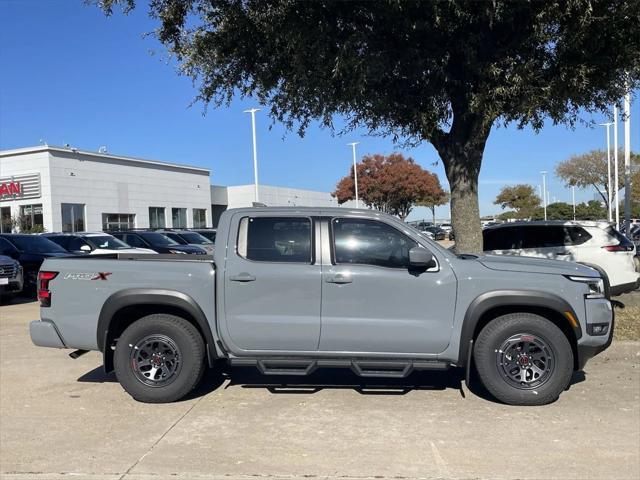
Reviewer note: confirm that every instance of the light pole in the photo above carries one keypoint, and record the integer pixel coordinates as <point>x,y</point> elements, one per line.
<point>608,124</point>
<point>253,111</point>
<point>627,165</point>
<point>544,192</point>
<point>615,166</point>
<point>355,171</point>
<point>573,195</point>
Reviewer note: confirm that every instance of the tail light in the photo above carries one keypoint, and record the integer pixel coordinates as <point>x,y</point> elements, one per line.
<point>44,295</point>
<point>618,248</point>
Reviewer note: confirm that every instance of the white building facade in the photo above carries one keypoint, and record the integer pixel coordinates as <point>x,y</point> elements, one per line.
<point>65,189</point>
<point>240,196</point>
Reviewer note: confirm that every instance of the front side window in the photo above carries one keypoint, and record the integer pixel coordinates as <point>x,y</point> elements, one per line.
<point>199,218</point>
<point>369,242</point>
<point>275,239</point>
<point>118,221</point>
<point>72,217</point>
<point>156,217</point>
<point>179,217</point>
<point>133,240</point>
<point>31,218</point>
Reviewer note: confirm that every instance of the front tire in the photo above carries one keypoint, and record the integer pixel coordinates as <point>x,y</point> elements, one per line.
<point>159,358</point>
<point>523,359</point>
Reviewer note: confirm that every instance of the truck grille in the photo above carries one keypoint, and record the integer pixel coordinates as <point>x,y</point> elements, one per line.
<point>8,271</point>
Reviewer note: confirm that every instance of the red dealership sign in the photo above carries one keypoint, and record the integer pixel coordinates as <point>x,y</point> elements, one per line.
<point>20,187</point>
<point>10,188</point>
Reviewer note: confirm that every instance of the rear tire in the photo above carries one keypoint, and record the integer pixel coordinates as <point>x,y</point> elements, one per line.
<point>159,358</point>
<point>523,359</point>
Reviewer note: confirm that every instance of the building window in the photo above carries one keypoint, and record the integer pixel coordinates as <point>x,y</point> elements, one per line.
<point>118,221</point>
<point>156,217</point>
<point>73,217</point>
<point>5,220</point>
<point>179,217</point>
<point>199,218</point>
<point>31,219</point>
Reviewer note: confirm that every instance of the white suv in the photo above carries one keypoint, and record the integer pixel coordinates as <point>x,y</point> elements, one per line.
<point>595,244</point>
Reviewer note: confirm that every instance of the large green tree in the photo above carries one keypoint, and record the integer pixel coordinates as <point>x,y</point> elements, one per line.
<point>438,71</point>
<point>522,198</point>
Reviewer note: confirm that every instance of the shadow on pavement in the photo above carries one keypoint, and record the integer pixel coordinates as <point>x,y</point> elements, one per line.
<point>334,379</point>
<point>327,379</point>
<point>6,300</point>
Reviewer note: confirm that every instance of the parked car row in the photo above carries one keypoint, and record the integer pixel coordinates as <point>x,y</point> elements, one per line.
<point>28,251</point>
<point>596,244</point>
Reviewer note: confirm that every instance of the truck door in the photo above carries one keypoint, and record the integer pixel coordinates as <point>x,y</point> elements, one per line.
<point>372,302</point>
<point>272,284</point>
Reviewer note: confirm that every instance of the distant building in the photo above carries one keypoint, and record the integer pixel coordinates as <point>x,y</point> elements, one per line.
<point>66,189</point>
<point>237,196</point>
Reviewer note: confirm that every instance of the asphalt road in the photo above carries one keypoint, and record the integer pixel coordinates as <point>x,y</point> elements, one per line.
<point>63,418</point>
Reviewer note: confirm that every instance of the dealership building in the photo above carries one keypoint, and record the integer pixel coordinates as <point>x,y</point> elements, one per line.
<point>64,189</point>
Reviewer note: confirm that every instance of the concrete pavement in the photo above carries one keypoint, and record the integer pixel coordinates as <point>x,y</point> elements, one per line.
<point>62,418</point>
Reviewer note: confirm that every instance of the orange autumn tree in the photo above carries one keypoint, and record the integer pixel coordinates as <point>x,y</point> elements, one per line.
<point>392,184</point>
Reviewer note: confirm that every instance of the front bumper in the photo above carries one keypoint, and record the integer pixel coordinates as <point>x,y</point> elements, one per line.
<point>591,345</point>
<point>45,334</point>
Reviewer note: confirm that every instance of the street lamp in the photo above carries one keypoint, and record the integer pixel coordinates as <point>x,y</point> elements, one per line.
<point>615,165</point>
<point>355,171</point>
<point>608,124</point>
<point>253,111</point>
<point>544,192</point>
<point>627,165</point>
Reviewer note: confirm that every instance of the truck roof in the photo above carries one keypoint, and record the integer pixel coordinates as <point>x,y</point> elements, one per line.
<point>330,211</point>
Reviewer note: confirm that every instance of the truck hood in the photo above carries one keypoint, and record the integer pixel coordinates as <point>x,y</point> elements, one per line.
<point>513,263</point>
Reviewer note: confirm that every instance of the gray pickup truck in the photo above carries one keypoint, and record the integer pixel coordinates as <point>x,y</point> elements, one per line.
<point>290,290</point>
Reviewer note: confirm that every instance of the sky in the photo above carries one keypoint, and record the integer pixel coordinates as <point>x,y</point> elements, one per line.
<point>68,74</point>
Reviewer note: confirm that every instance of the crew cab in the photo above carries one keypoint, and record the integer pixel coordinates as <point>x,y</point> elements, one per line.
<point>293,289</point>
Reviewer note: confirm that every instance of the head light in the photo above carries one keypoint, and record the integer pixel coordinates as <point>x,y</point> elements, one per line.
<point>596,286</point>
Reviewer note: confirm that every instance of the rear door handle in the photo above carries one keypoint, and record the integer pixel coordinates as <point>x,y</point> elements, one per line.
<point>563,253</point>
<point>242,277</point>
<point>339,278</point>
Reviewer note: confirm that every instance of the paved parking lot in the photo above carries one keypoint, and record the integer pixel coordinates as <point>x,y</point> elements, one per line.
<point>62,418</point>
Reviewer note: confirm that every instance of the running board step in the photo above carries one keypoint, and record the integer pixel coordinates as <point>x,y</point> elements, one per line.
<point>362,368</point>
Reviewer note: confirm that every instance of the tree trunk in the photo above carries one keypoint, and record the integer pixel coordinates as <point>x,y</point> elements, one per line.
<point>461,152</point>
<point>433,214</point>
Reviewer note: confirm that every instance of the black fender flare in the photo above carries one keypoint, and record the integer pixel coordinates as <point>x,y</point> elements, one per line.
<point>509,298</point>
<point>133,297</point>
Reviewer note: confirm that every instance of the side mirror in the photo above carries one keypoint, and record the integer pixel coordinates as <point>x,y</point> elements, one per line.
<point>421,258</point>
<point>85,248</point>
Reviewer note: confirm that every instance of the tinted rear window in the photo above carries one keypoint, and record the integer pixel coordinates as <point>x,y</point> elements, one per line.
<point>275,239</point>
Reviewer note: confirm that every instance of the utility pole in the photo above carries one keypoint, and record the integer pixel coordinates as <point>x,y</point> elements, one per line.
<point>608,124</point>
<point>627,165</point>
<point>544,193</point>
<point>355,171</point>
<point>615,166</point>
<point>253,111</point>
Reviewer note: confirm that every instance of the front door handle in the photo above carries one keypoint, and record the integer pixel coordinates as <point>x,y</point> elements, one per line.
<point>339,278</point>
<point>242,277</point>
<point>563,253</point>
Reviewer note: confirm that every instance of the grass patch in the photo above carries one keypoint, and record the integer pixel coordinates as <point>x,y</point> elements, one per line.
<point>627,323</point>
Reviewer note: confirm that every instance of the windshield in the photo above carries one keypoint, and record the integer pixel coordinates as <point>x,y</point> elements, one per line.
<point>106,241</point>
<point>193,237</point>
<point>35,244</point>
<point>211,235</point>
<point>155,238</point>
<point>429,241</point>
